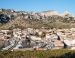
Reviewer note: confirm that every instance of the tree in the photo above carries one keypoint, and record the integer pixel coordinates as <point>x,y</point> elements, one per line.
<point>4,18</point>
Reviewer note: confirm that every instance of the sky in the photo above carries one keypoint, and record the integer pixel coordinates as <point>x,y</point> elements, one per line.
<point>39,5</point>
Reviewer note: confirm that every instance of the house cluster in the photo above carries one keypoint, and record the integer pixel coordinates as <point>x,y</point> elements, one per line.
<point>37,39</point>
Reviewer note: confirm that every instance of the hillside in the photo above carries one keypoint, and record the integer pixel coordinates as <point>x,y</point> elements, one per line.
<point>10,19</point>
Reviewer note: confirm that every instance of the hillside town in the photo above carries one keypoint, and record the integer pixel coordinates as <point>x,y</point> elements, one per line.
<point>37,39</point>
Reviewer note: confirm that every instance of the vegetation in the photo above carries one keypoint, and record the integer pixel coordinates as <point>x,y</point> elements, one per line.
<point>35,24</point>
<point>38,54</point>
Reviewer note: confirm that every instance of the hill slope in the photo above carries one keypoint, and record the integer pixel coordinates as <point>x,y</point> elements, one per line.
<point>49,19</point>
